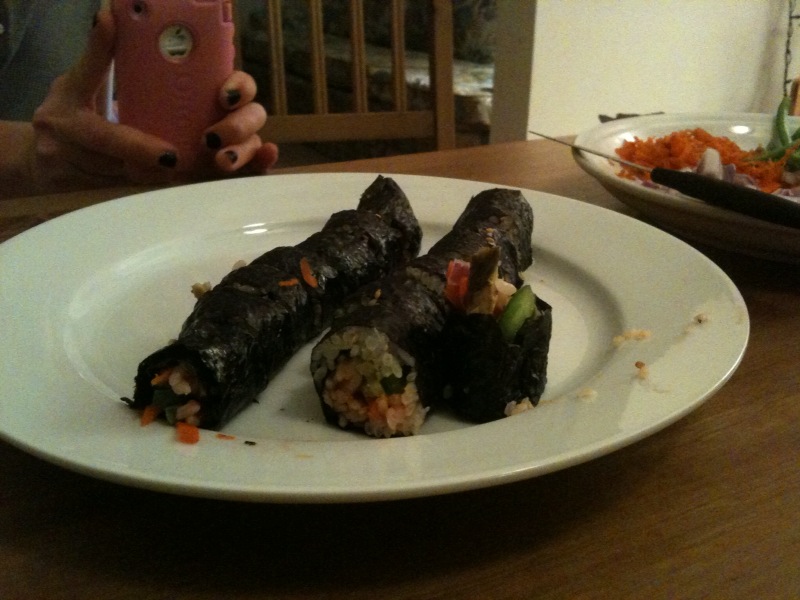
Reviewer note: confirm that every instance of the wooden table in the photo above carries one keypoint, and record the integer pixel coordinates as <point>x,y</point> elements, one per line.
<point>707,508</point>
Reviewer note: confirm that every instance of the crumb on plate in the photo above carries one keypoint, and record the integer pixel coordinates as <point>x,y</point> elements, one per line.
<point>642,371</point>
<point>632,334</point>
<point>515,408</point>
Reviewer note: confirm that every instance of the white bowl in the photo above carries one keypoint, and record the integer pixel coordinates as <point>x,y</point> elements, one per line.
<point>688,217</point>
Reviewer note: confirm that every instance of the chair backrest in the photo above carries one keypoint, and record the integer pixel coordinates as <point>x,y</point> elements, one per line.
<point>399,121</point>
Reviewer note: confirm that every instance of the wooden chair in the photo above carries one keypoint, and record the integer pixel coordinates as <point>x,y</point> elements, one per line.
<point>361,123</point>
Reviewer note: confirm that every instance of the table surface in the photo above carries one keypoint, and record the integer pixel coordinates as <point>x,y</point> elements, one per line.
<point>707,508</point>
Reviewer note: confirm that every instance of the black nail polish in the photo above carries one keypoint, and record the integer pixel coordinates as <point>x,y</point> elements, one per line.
<point>233,97</point>
<point>213,141</point>
<point>95,19</point>
<point>232,156</point>
<point>168,159</point>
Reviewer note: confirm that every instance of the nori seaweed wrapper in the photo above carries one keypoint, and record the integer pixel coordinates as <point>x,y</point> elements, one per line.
<point>409,305</point>
<point>245,328</point>
<point>485,372</point>
<point>497,217</point>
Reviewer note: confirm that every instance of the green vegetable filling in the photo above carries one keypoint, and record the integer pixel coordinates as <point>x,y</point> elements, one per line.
<point>168,401</point>
<point>171,414</point>
<point>780,132</point>
<point>165,397</point>
<point>393,385</point>
<point>781,140</point>
<point>521,307</point>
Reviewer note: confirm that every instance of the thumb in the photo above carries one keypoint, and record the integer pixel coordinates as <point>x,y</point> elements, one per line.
<point>87,76</point>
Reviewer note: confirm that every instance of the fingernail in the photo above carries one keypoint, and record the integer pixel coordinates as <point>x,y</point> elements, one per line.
<point>95,19</point>
<point>233,97</point>
<point>168,159</point>
<point>213,141</point>
<point>232,156</point>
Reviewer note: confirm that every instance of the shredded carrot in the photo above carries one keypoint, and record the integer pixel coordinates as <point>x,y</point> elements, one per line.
<point>187,434</point>
<point>161,378</point>
<point>305,271</point>
<point>225,436</point>
<point>288,282</point>
<point>683,149</point>
<point>149,414</point>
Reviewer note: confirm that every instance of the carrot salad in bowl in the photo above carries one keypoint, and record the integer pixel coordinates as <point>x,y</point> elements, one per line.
<point>774,168</point>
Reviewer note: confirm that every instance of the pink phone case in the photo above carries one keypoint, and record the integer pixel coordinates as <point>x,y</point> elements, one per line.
<point>171,60</point>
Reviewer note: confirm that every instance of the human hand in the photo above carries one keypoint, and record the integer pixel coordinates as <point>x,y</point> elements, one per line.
<point>235,137</point>
<point>75,147</point>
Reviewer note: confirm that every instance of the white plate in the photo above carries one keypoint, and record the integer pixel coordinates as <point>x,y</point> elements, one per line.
<point>85,297</point>
<point>684,216</point>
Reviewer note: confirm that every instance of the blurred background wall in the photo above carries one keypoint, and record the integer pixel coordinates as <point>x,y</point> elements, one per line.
<point>590,57</point>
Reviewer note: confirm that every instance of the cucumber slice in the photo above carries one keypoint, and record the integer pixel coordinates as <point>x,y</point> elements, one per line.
<point>170,413</point>
<point>164,397</point>
<point>520,308</point>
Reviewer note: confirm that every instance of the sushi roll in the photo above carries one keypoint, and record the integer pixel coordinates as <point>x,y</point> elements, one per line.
<point>245,328</point>
<point>496,340</point>
<point>380,368</point>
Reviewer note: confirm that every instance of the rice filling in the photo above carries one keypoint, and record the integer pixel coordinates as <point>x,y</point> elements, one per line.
<point>369,383</point>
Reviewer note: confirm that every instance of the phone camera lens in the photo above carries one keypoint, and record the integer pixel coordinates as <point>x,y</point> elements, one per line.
<point>139,9</point>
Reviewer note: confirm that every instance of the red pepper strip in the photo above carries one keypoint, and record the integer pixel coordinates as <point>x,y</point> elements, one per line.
<point>457,282</point>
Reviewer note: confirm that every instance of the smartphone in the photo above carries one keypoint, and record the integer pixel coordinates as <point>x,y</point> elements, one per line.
<point>170,61</point>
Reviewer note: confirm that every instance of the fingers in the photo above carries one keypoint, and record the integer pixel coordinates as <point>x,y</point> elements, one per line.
<point>237,126</point>
<point>235,138</point>
<point>86,162</point>
<point>237,91</point>
<point>76,142</point>
<point>75,146</point>
<point>122,142</point>
<point>252,157</point>
<point>97,138</point>
<point>231,158</point>
<point>264,159</point>
<point>57,166</point>
<point>93,145</point>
